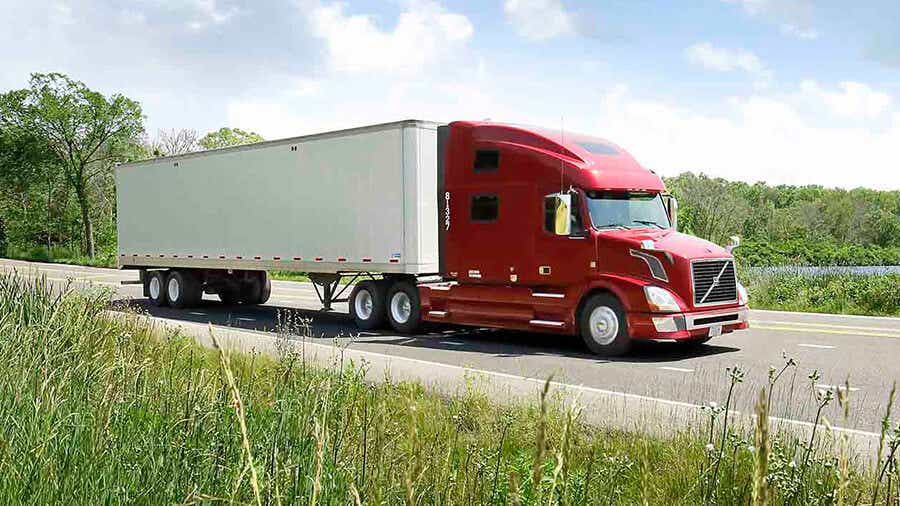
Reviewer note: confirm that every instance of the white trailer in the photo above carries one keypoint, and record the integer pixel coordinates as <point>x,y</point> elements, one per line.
<point>362,200</point>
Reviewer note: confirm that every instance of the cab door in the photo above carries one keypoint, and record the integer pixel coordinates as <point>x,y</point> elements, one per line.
<point>558,260</point>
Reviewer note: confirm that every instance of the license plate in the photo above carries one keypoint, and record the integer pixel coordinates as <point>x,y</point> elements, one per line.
<point>715,331</point>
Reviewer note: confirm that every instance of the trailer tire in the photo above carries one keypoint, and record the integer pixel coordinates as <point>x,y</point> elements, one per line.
<point>603,327</point>
<point>156,288</point>
<point>183,289</point>
<point>367,305</point>
<point>257,289</point>
<point>404,309</point>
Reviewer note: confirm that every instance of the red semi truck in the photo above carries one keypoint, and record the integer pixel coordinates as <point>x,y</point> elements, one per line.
<point>495,225</point>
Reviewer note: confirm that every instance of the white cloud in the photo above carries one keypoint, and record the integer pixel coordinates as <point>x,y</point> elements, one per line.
<point>728,60</point>
<point>756,138</point>
<point>851,100</point>
<point>793,16</point>
<point>355,44</point>
<point>209,12</point>
<point>539,19</point>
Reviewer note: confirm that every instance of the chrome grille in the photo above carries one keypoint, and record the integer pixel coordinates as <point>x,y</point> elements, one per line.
<point>714,282</point>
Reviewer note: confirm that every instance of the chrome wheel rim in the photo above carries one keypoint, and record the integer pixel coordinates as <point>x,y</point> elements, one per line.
<point>174,289</point>
<point>401,307</point>
<point>363,304</point>
<point>604,325</point>
<point>154,287</point>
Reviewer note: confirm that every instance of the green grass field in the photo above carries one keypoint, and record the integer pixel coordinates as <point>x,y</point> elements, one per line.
<point>97,410</point>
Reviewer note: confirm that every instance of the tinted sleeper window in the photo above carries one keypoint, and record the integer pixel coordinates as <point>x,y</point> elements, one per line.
<point>485,208</point>
<point>487,160</point>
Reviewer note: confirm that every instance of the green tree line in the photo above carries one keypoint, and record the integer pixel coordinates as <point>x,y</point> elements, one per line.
<point>60,140</point>
<point>59,144</point>
<point>792,225</point>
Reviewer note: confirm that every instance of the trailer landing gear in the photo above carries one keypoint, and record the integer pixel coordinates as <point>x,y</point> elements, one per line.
<point>331,290</point>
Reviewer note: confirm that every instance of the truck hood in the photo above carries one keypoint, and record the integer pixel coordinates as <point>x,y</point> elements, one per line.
<point>680,246</point>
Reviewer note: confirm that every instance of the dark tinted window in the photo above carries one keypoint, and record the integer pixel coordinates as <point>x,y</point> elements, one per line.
<point>485,208</point>
<point>487,160</point>
<point>599,148</point>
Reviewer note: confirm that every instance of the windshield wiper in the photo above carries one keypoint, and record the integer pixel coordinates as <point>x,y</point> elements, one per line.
<point>612,225</point>
<point>648,222</point>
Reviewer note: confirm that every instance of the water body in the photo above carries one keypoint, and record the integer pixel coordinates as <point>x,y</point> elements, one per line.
<point>809,270</point>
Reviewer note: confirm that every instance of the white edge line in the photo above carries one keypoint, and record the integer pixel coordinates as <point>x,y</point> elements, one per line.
<point>817,346</point>
<point>676,369</point>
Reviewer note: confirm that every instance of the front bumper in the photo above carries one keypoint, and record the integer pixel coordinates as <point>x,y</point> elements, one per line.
<point>688,325</point>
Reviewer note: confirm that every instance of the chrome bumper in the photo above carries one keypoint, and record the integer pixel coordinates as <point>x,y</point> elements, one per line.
<point>701,320</point>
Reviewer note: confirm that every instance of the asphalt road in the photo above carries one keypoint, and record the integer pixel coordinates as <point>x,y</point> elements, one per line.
<point>861,350</point>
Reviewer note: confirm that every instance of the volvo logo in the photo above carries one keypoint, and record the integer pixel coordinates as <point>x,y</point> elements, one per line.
<point>715,283</point>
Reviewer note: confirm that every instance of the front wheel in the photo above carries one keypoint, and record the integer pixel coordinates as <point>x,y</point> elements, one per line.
<point>603,327</point>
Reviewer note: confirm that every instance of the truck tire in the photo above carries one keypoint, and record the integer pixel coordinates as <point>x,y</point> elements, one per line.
<point>603,326</point>
<point>257,289</point>
<point>183,289</point>
<point>404,310</point>
<point>367,305</point>
<point>156,288</point>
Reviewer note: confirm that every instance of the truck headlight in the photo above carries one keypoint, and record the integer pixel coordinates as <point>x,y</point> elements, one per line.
<point>743,297</point>
<point>661,300</point>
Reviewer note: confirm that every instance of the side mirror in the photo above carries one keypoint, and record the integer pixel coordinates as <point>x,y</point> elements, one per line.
<point>735,242</point>
<point>671,204</point>
<point>562,221</point>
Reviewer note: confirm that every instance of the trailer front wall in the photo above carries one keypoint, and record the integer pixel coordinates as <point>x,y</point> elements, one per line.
<point>347,201</point>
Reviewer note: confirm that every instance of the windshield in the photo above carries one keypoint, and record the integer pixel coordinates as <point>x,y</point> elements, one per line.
<point>627,209</point>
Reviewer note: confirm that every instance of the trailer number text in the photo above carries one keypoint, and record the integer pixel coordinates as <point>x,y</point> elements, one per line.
<point>447,211</point>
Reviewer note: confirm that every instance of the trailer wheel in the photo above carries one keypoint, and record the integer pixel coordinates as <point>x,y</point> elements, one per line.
<point>603,327</point>
<point>257,290</point>
<point>367,305</point>
<point>183,289</point>
<point>156,288</point>
<point>404,310</point>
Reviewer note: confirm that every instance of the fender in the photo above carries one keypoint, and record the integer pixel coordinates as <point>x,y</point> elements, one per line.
<point>629,290</point>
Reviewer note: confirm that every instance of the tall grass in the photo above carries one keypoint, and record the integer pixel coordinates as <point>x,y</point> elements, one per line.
<point>97,410</point>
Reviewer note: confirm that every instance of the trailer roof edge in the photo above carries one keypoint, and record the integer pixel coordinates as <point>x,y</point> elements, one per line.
<point>287,140</point>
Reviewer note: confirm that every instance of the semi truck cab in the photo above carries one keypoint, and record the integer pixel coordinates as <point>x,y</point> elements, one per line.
<point>563,233</point>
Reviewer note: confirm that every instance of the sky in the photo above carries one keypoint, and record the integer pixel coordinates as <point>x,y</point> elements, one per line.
<point>781,91</point>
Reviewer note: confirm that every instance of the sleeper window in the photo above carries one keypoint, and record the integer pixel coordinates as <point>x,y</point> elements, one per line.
<point>485,208</point>
<point>487,160</point>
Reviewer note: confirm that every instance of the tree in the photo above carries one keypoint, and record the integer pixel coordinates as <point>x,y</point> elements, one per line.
<point>174,142</point>
<point>85,130</point>
<point>225,137</point>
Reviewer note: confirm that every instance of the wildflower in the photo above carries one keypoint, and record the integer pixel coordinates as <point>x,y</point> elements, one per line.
<point>751,448</point>
<point>713,404</point>
<point>710,448</point>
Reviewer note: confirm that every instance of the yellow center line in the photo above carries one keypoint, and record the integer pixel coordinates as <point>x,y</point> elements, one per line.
<point>823,331</point>
<point>825,325</point>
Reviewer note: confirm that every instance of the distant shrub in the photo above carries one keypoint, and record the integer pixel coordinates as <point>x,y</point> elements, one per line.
<point>824,293</point>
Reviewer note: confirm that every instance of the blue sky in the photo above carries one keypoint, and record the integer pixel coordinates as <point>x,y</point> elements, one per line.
<point>784,91</point>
